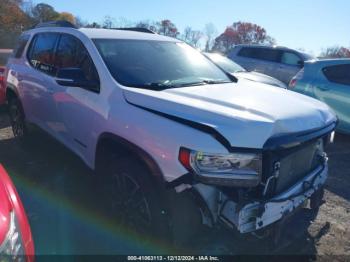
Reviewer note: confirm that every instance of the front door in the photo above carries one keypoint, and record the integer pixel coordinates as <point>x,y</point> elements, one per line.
<point>72,102</point>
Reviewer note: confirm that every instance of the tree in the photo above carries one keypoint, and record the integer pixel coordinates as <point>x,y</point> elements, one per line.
<point>67,17</point>
<point>192,37</point>
<point>122,22</point>
<point>80,22</point>
<point>209,31</point>
<point>12,18</point>
<point>44,12</point>
<point>108,22</point>
<point>242,33</point>
<point>167,28</point>
<point>147,24</point>
<point>336,52</point>
<point>93,25</point>
<point>12,22</point>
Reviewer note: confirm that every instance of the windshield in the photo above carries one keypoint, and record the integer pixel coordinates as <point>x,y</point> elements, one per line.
<point>226,64</point>
<point>157,64</point>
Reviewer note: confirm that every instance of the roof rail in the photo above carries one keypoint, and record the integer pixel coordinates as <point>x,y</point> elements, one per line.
<point>136,29</point>
<point>58,23</point>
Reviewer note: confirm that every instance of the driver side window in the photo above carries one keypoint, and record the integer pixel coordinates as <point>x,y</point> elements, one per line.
<point>41,52</point>
<point>71,53</point>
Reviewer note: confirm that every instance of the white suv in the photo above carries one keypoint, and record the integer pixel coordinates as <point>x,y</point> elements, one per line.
<point>163,125</point>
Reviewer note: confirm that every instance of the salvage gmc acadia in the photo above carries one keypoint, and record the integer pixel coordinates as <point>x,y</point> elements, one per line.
<point>159,122</point>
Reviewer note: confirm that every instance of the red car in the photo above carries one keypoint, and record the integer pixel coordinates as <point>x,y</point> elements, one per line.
<point>16,240</point>
<point>2,85</point>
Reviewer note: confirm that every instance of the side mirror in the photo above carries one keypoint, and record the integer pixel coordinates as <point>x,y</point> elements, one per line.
<point>76,77</point>
<point>301,63</point>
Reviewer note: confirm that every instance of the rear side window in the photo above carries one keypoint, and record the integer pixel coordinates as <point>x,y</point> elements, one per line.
<point>41,52</point>
<point>339,74</point>
<point>290,58</point>
<point>21,44</point>
<point>71,53</point>
<point>266,54</point>
<point>247,52</point>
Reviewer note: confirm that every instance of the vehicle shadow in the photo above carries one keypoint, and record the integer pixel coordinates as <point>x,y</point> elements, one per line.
<point>65,210</point>
<point>295,241</point>
<point>4,123</point>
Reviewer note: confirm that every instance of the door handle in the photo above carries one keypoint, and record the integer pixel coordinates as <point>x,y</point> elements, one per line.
<point>50,91</point>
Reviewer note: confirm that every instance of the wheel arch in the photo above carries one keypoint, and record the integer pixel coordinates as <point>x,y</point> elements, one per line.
<point>111,143</point>
<point>11,93</point>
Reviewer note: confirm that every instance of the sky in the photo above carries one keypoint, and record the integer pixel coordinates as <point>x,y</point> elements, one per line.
<point>308,24</point>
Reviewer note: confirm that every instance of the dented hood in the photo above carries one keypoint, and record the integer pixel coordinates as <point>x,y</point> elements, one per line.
<point>246,114</point>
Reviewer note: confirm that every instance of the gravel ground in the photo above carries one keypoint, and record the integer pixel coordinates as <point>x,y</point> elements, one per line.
<point>58,192</point>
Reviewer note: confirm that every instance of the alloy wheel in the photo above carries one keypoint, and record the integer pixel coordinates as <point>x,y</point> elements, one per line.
<point>130,204</point>
<point>17,121</point>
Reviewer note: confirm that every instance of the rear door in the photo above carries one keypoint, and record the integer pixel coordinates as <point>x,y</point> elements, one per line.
<point>334,90</point>
<point>269,58</point>
<point>38,81</point>
<point>290,65</point>
<point>262,60</point>
<point>245,57</point>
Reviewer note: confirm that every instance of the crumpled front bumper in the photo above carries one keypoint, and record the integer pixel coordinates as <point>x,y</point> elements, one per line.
<point>257,215</point>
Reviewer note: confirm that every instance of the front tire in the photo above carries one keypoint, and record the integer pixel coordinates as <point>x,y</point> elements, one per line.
<point>135,200</point>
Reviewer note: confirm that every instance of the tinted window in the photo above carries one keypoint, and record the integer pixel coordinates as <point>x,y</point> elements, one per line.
<point>247,52</point>
<point>267,54</point>
<point>338,74</point>
<point>21,44</point>
<point>157,64</point>
<point>290,58</point>
<point>41,53</point>
<point>71,53</point>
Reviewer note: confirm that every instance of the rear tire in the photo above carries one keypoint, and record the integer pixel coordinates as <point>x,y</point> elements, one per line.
<point>17,120</point>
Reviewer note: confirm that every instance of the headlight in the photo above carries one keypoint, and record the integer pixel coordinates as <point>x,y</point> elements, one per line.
<point>12,248</point>
<point>232,169</point>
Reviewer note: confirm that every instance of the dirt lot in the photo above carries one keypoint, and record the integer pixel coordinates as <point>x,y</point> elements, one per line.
<point>59,195</point>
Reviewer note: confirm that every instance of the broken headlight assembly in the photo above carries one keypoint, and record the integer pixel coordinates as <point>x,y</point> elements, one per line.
<point>231,169</point>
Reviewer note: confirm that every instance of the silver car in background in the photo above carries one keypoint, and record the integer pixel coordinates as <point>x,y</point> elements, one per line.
<point>279,62</point>
<point>239,72</point>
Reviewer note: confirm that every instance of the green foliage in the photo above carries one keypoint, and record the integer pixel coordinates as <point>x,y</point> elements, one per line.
<point>15,19</point>
<point>44,12</point>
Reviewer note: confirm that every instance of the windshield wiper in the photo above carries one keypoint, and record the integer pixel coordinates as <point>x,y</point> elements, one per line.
<point>162,86</point>
<point>203,82</point>
<point>154,86</point>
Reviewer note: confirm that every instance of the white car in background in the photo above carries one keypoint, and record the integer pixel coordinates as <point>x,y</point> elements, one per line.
<point>236,70</point>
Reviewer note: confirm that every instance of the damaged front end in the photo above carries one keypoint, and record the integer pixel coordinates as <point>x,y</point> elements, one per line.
<point>259,214</point>
<point>264,192</point>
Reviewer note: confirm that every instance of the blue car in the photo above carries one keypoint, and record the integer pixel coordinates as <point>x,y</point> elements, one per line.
<point>328,81</point>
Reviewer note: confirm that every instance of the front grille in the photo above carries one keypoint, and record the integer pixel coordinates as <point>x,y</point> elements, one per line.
<point>295,164</point>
